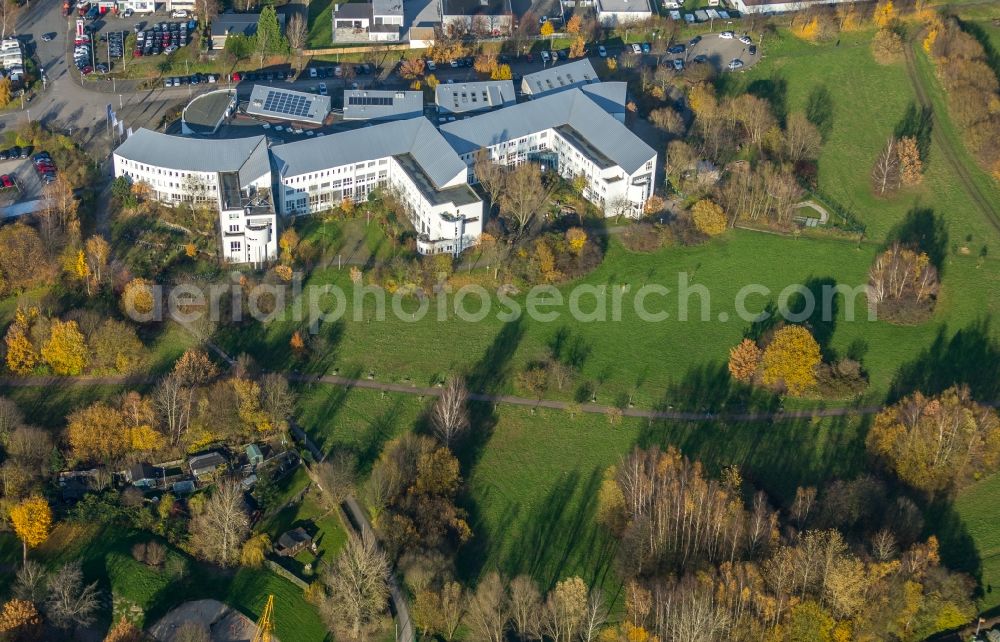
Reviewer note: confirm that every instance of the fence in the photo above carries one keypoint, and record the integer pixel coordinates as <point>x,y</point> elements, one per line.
<point>285,573</point>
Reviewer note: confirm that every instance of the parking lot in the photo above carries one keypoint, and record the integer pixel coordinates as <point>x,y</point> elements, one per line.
<point>20,182</point>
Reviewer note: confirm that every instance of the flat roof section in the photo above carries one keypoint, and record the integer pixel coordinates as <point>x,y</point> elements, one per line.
<point>458,98</point>
<point>287,104</point>
<point>205,113</point>
<point>366,104</point>
<point>571,74</point>
<point>458,195</point>
<point>624,6</point>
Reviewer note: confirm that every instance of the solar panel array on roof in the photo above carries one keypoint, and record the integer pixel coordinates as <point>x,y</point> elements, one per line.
<point>280,102</point>
<point>384,101</point>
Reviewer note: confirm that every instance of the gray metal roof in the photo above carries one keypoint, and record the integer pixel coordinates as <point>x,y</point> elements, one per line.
<point>571,107</point>
<point>475,7</point>
<point>287,104</point>
<point>353,10</point>
<point>624,6</point>
<point>572,74</point>
<point>609,96</point>
<point>416,136</point>
<point>244,155</point>
<point>464,97</point>
<point>387,7</point>
<point>368,104</point>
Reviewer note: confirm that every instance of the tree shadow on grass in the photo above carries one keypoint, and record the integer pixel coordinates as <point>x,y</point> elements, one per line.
<point>775,91</point>
<point>971,357</point>
<point>560,536</point>
<point>958,548</point>
<point>918,123</point>
<point>709,388</point>
<point>820,308</point>
<point>487,377</point>
<point>924,231</point>
<point>819,110</point>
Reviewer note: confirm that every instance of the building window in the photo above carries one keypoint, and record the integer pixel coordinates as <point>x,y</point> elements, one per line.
<point>234,246</point>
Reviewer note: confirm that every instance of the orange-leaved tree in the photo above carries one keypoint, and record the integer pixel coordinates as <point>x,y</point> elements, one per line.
<point>32,521</point>
<point>790,359</point>
<point>744,358</point>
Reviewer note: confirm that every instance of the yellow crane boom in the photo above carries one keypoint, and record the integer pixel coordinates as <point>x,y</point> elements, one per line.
<point>265,625</point>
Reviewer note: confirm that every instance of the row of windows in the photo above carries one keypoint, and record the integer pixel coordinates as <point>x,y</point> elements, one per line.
<point>334,171</point>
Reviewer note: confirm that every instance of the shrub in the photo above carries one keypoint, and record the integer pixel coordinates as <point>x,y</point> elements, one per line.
<point>709,218</point>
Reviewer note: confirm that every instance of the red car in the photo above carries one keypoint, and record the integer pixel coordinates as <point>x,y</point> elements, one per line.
<point>236,77</point>
<point>7,181</point>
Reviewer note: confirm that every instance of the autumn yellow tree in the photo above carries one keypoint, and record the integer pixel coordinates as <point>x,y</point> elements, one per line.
<point>577,48</point>
<point>19,620</point>
<point>284,272</point>
<point>744,358</point>
<point>502,72</point>
<point>574,23</point>
<point>288,241</point>
<point>806,28</point>
<point>911,168</point>
<point>296,343</point>
<point>547,29</point>
<point>31,520</point>
<point>885,14</point>
<point>249,408</point>
<point>66,350</point>
<point>138,302</point>
<point>709,218</point>
<point>936,443</point>
<point>21,354</point>
<point>254,550</point>
<point>97,433</point>
<point>577,239</point>
<point>790,360</point>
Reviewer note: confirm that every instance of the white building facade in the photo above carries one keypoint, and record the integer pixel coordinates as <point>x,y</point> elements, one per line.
<point>231,176</point>
<point>568,132</point>
<point>408,157</point>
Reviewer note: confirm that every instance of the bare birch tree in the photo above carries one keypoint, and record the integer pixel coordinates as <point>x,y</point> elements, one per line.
<point>356,582</point>
<point>450,415</point>
<point>489,610</point>
<point>222,526</point>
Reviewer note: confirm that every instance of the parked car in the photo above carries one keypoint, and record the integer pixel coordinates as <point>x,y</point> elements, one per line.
<point>4,154</point>
<point>312,72</point>
<point>322,89</point>
<point>700,58</point>
<point>735,64</point>
<point>752,49</point>
<point>678,64</point>
<point>545,57</point>
<point>48,37</point>
<point>676,49</point>
<point>127,13</point>
<point>601,51</point>
<point>745,39</point>
<point>7,181</point>
<point>646,48</point>
<point>431,66</point>
<point>236,77</point>
<point>179,13</point>
<point>636,48</point>
<point>171,49</point>
<point>727,35</point>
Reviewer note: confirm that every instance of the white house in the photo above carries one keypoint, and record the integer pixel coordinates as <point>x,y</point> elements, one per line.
<point>570,132</point>
<point>409,157</point>
<point>375,21</point>
<point>233,176</point>
<point>479,17</point>
<point>620,12</point>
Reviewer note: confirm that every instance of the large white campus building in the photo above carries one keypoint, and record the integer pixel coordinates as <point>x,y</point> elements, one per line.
<point>571,133</point>
<point>234,176</point>
<point>574,129</point>
<point>409,157</point>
